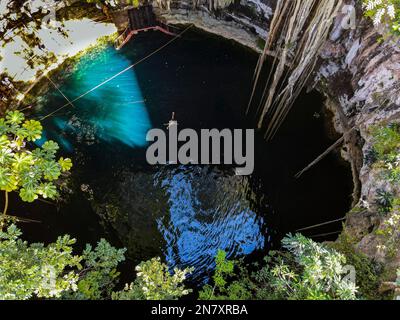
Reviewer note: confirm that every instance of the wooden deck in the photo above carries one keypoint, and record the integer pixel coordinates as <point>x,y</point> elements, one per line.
<point>141,19</point>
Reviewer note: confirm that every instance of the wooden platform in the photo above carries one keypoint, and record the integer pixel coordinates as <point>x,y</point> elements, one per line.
<point>141,19</point>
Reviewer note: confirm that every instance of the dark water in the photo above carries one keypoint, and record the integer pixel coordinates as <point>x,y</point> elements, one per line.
<point>182,213</point>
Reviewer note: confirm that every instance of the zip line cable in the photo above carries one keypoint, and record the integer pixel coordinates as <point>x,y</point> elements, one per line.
<point>325,234</point>
<point>342,139</point>
<point>58,89</point>
<point>135,102</point>
<point>118,74</point>
<point>320,224</point>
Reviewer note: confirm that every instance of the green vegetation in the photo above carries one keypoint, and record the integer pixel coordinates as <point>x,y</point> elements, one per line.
<point>386,146</point>
<point>99,273</point>
<point>155,282</point>
<point>31,271</point>
<point>369,274</point>
<point>384,157</point>
<point>389,231</point>
<point>52,271</point>
<point>384,201</point>
<point>30,171</point>
<point>384,12</point>
<point>305,271</point>
<point>386,140</point>
<point>36,270</point>
<point>231,281</point>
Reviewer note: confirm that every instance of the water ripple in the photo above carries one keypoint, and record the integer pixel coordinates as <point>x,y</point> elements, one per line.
<point>208,210</point>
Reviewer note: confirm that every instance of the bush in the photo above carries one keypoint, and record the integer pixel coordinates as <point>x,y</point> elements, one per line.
<point>99,274</point>
<point>386,144</point>
<point>308,271</point>
<point>154,282</point>
<point>368,272</point>
<point>37,271</point>
<point>305,271</point>
<point>31,172</point>
<point>386,12</point>
<point>384,201</point>
<point>231,281</point>
<point>386,140</point>
<point>389,231</point>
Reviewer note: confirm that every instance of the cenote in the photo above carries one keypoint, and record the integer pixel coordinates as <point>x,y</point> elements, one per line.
<point>183,214</point>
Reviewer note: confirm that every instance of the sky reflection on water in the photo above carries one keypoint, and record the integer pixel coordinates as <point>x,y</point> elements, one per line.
<point>208,210</point>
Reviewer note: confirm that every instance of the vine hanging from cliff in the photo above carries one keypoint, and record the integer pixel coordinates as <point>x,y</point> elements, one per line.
<point>297,32</point>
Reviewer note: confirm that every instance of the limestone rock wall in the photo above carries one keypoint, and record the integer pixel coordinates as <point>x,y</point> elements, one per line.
<point>245,21</point>
<point>360,73</point>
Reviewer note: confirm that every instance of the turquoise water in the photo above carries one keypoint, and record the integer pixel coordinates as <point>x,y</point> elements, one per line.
<point>181,213</point>
<point>117,111</point>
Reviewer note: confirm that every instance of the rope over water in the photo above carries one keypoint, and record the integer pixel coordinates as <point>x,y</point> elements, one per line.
<point>58,89</point>
<point>342,139</point>
<point>320,224</point>
<point>117,74</point>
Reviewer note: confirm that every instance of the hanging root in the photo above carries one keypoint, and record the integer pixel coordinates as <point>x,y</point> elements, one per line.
<point>322,156</point>
<point>298,30</point>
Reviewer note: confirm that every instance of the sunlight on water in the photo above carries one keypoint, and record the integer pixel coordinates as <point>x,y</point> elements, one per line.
<point>115,112</point>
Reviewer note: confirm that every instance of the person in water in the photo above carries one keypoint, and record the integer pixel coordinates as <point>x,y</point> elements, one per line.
<point>172,122</point>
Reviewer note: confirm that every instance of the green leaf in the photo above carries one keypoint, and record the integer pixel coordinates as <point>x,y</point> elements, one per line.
<point>6,156</point>
<point>28,195</point>
<point>14,117</point>
<point>66,164</point>
<point>48,190</point>
<point>17,144</point>
<point>51,170</point>
<point>50,148</point>
<point>22,161</point>
<point>29,178</point>
<point>4,141</point>
<point>33,130</point>
<point>38,154</point>
<point>7,180</point>
<point>3,126</point>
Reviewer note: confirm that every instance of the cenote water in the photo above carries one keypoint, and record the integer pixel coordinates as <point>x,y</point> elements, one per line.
<point>183,214</point>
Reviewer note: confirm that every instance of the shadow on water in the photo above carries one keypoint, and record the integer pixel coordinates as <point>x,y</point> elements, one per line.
<point>183,213</point>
